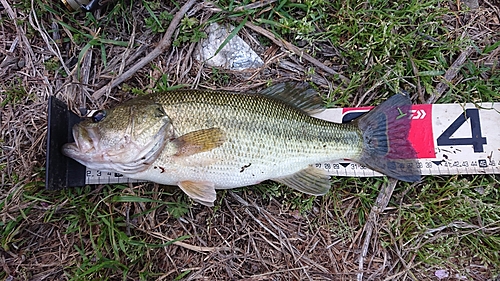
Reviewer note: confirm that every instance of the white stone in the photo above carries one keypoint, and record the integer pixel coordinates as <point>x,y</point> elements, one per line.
<point>236,54</point>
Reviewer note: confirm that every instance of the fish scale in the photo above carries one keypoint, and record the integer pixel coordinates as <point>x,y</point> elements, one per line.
<point>207,140</point>
<point>275,138</point>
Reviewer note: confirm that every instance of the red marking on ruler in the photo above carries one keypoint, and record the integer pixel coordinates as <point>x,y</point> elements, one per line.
<point>421,135</point>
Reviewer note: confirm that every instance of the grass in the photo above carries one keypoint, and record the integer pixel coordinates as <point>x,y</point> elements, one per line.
<point>13,94</point>
<point>125,232</point>
<point>100,221</point>
<point>448,221</point>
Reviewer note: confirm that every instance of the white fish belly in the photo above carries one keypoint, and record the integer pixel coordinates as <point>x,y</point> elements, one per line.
<point>242,162</point>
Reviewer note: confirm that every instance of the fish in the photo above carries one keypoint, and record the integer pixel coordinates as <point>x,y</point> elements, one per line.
<point>205,140</point>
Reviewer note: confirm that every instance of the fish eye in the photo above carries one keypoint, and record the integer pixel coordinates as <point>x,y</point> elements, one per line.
<point>98,116</point>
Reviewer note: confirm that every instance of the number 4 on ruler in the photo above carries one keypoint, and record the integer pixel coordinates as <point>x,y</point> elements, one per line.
<point>477,140</point>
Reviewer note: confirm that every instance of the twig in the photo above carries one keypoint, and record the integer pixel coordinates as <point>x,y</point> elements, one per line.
<point>186,245</point>
<point>401,259</point>
<point>130,46</point>
<point>259,4</point>
<point>494,8</point>
<point>380,204</point>
<point>49,42</point>
<point>417,76</point>
<point>284,44</point>
<point>254,5</point>
<point>280,235</point>
<point>164,44</point>
<point>450,75</point>
<point>20,32</point>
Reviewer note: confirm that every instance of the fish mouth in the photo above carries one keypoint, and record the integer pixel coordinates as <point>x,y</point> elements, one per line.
<point>128,157</point>
<point>84,149</point>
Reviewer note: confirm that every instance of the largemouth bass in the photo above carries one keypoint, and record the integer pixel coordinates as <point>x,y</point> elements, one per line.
<point>206,140</point>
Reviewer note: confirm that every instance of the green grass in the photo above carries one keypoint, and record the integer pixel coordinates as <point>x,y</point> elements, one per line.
<point>13,93</point>
<point>443,222</point>
<point>157,23</point>
<point>109,244</point>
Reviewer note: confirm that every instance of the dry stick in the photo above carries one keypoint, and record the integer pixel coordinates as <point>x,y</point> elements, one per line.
<point>186,245</point>
<point>49,42</point>
<point>284,44</point>
<point>292,250</point>
<point>415,72</point>
<point>164,44</point>
<point>20,33</point>
<point>398,253</point>
<point>450,75</point>
<point>254,5</point>
<point>380,204</point>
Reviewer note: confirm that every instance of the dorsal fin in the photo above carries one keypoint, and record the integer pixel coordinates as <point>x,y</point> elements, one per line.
<point>297,94</point>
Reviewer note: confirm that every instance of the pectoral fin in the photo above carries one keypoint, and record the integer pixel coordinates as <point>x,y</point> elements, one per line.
<point>201,192</point>
<point>311,180</point>
<point>199,141</point>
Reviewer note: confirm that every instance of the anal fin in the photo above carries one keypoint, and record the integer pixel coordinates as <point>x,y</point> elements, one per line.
<point>311,181</point>
<point>201,192</point>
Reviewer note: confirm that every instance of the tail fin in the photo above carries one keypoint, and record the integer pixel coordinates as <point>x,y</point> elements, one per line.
<point>386,147</point>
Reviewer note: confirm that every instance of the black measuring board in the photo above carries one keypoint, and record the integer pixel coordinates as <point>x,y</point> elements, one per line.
<point>61,171</point>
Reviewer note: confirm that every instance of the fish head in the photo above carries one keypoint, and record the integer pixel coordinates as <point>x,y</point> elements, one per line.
<point>125,139</point>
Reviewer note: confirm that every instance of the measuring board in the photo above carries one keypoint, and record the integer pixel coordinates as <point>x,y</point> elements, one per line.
<point>449,139</point>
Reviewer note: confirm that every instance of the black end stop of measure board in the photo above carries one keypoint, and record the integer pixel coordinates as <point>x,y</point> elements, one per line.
<point>61,171</point>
